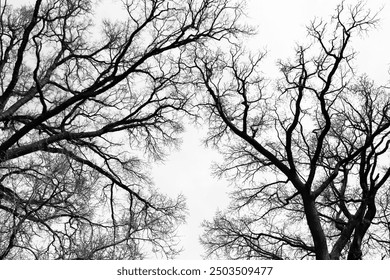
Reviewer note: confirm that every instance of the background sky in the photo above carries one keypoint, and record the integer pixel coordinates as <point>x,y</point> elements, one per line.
<point>280,25</point>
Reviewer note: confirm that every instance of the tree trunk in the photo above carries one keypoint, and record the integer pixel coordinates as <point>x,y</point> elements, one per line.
<point>355,251</point>
<point>343,240</point>
<point>317,233</point>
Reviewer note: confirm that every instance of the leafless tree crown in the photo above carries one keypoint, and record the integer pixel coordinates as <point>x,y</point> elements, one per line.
<point>83,106</point>
<point>309,155</point>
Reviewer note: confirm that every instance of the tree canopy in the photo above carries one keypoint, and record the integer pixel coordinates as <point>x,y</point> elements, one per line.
<point>85,104</point>
<point>309,154</point>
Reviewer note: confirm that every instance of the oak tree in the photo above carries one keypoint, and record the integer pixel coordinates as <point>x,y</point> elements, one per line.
<point>309,156</point>
<point>85,103</point>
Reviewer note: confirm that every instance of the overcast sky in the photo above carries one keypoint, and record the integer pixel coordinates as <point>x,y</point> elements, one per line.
<point>281,25</point>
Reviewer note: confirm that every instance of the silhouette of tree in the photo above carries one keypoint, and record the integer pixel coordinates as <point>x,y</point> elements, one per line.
<point>83,107</point>
<point>309,157</point>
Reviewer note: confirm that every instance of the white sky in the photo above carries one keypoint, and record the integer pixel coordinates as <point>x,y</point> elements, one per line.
<point>281,24</point>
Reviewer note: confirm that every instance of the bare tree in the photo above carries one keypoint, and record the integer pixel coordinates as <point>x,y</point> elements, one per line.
<point>83,107</point>
<point>309,156</point>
